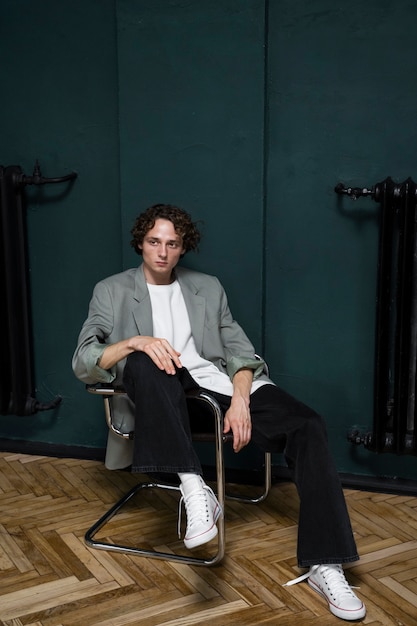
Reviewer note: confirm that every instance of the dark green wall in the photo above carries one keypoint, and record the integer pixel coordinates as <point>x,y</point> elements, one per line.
<point>245,112</point>
<point>191,118</point>
<point>342,107</point>
<point>59,105</point>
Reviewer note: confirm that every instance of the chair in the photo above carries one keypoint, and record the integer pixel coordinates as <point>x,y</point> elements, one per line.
<point>199,402</point>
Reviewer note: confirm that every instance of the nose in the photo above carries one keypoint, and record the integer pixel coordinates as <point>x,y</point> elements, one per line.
<point>162,250</point>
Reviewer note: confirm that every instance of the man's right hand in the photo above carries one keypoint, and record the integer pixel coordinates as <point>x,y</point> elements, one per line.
<point>159,350</point>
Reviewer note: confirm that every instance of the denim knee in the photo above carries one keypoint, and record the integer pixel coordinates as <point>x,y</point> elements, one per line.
<point>139,367</point>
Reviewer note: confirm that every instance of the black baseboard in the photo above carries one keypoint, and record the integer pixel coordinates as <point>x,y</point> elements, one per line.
<point>61,451</point>
<point>400,486</point>
<point>378,484</point>
<point>396,486</point>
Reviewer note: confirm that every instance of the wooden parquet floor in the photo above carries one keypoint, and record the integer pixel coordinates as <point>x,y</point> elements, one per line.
<point>48,577</point>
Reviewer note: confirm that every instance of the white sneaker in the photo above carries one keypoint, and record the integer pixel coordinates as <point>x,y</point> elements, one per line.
<point>203,511</point>
<point>330,582</point>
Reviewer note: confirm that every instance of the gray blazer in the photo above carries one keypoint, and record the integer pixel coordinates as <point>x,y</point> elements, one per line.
<point>121,307</point>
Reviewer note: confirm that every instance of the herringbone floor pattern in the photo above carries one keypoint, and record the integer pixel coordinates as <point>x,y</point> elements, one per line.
<point>48,577</point>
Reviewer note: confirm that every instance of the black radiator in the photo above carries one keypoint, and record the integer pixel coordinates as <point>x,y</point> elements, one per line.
<point>395,415</point>
<point>17,384</point>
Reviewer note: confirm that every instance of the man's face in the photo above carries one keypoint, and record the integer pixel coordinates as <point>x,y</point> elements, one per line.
<point>161,250</point>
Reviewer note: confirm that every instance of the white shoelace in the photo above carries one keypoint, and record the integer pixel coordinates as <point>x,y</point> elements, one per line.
<point>289,583</point>
<point>335,575</point>
<point>196,506</point>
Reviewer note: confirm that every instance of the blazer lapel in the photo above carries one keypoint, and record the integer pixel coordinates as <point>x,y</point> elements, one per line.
<point>141,309</point>
<point>196,307</point>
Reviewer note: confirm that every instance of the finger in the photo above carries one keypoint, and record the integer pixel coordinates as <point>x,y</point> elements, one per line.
<point>161,358</point>
<point>173,354</point>
<point>175,358</point>
<point>244,436</point>
<point>237,439</point>
<point>167,363</point>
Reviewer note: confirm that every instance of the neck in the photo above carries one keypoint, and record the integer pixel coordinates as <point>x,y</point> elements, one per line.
<point>159,280</point>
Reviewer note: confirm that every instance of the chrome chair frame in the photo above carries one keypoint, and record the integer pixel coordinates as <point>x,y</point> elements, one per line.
<point>108,392</point>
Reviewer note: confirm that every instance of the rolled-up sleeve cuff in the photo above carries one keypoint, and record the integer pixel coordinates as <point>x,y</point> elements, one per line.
<point>237,363</point>
<point>94,370</point>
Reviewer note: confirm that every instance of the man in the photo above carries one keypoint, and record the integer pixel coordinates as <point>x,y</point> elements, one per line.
<point>162,329</point>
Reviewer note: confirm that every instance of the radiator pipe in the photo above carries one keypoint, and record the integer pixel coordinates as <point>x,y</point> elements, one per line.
<point>360,438</point>
<point>47,406</point>
<point>389,444</point>
<point>21,180</point>
<point>353,192</point>
<point>32,406</point>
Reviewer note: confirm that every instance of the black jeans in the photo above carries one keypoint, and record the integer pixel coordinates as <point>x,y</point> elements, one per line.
<point>163,444</point>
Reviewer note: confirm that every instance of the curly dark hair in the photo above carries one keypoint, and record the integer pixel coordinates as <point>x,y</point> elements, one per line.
<point>183,224</point>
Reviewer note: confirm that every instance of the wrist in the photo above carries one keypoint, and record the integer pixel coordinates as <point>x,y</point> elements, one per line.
<point>240,397</point>
<point>131,344</point>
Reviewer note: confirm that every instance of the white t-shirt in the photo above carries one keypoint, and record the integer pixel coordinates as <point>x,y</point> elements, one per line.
<point>171,322</point>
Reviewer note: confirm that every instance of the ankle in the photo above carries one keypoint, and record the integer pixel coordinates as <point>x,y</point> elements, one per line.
<point>190,482</point>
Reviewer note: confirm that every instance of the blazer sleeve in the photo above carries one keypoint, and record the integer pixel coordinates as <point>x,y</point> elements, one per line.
<point>240,352</point>
<point>92,339</point>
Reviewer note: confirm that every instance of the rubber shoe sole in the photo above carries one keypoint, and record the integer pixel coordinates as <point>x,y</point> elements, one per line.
<point>346,614</point>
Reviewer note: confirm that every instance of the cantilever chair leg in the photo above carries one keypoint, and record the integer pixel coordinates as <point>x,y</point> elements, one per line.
<point>266,485</point>
<point>155,554</point>
<point>90,536</point>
